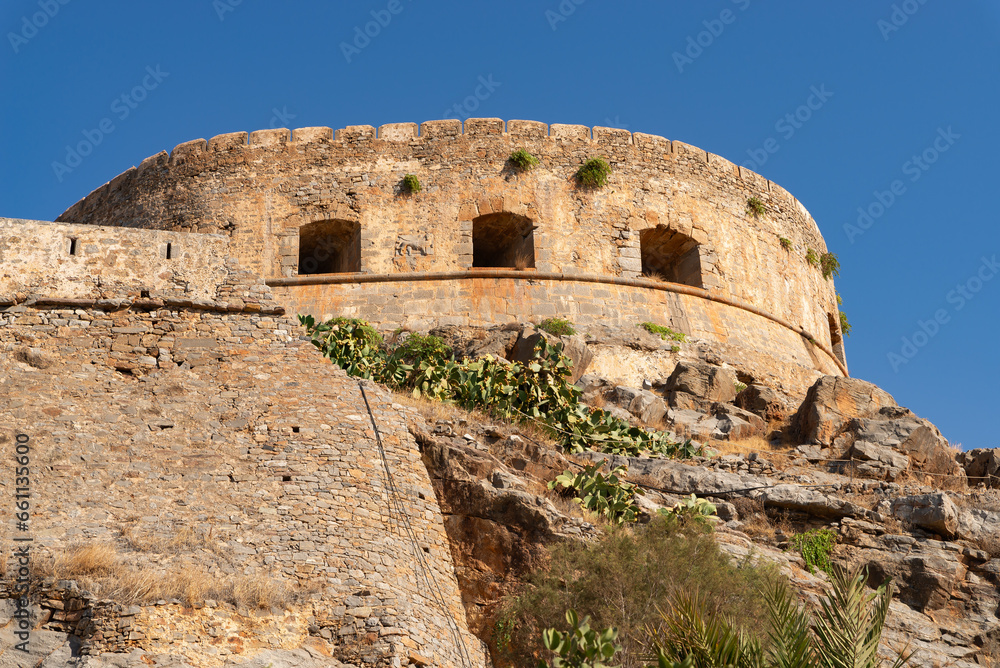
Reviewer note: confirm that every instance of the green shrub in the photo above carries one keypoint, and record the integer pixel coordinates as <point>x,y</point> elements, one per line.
<point>755,207</point>
<point>580,647</point>
<point>522,160</point>
<point>411,183</point>
<point>593,173</point>
<point>691,509</point>
<point>845,325</point>
<point>557,327</point>
<point>815,546</point>
<point>829,264</point>
<point>664,333</point>
<point>786,243</point>
<point>609,496</point>
<point>621,579</point>
<point>811,257</point>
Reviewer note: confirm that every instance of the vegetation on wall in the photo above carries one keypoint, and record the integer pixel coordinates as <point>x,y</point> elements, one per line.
<point>755,207</point>
<point>411,183</point>
<point>829,264</point>
<point>811,257</point>
<point>537,390</point>
<point>557,327</point>
<point>845,325</point>
<point>593,173</point>
<point>522,160</point>
<point>663,332</point>
<point>785,242</point>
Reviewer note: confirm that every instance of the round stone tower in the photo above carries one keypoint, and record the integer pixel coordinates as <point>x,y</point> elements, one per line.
<point>677,236</point>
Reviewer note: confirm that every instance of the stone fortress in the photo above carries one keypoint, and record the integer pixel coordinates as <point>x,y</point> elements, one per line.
<point>152,355</point>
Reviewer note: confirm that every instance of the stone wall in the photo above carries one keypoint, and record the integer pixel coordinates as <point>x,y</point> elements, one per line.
<point>772,352</point>
<point>88,262</point>
<point>219,444</point>
<point>263,187</point>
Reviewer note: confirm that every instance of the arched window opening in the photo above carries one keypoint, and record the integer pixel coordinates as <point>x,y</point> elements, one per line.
<point>503,240</point>
<point>670,256</point>
<point>329,247</point>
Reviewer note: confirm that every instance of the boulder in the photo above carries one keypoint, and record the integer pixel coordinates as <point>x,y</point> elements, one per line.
<point>982,466</point>
<point>935,512</point>
<point>704,381</point>
<point>648,407</point>
<point>918,439</point>
<point>750,424</point>
<point>473,342</point>
<point>832,402</point>
<point>839,412</point>
<point>878,460</point>
<point>762,401</point>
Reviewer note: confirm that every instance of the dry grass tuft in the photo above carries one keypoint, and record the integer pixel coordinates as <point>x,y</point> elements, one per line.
<point>523,260</point>
<point>104,570</point>
<point>756,522</point>
<point>654,276</point>
<point>779,455</point>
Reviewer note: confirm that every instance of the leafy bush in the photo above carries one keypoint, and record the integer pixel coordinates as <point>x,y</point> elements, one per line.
<point>691,509</point>
<point>845,325</point>
<point>815,546</point>
<point>523,160</point>
<point>411,183</point>
<point>621,579</point>
<point>829,264</point>
<point>557,327</point>
<point>786,243</point>
<point>538,389</point>
<point>580,647</point>
<point>755,207</point>
<point>846,633</point>
<point>609,497</point>
<point>811,257</point>
<point>664,333</point>
<point>593,173</point>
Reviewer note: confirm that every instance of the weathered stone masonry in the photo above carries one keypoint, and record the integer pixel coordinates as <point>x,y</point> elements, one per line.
<point>317,201</point>
<point>144,416</point>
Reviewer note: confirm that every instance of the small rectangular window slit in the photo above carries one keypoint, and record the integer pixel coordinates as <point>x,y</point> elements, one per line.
<point>72,246</point>
<point>170,251</point>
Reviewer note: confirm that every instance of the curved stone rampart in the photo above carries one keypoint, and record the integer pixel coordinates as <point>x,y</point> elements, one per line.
<point>262,188</point>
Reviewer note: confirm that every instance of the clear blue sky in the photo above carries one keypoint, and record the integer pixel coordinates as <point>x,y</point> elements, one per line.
<point>928,73</point>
